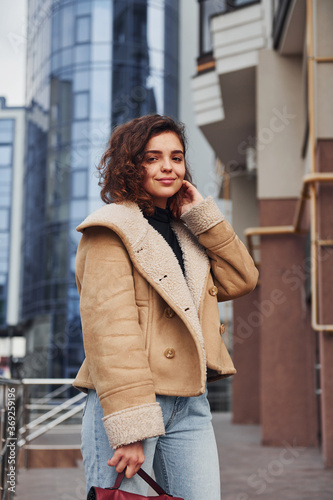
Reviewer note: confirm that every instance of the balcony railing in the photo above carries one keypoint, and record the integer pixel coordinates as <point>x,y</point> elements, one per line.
<point>24,417</point>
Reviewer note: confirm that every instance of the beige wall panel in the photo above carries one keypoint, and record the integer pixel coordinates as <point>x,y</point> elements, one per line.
<point>324,112</point>
<point>323,28</point>
<point>244,203</point>
<point>280,125</point>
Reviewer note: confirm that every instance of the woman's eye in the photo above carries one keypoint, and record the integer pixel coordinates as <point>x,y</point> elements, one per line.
<point>151,159</point>
<point>177,158</point>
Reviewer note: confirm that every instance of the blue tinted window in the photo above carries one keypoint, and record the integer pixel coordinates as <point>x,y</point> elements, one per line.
<point>6,130</point>
<point>82,29</point>
<point>81,80</point>
<point>56,37</point>
<point>67,57</point>
<point>83,7</point>
<point>80,131</point>
<point>101,21</point>
<point>101,52</point>
<point>67,37</point>
<point>79,184</point>
<point>4,246</point>
<point>78,209</point>
<point>5,176</point>
<point>81,106</point>
<point>55,61</point>
<point>101,94</point>
<point>4,219</point>
<point>5,186</point>
<point>80,154</point>
<point>82,53</point>
<point>5,155</point>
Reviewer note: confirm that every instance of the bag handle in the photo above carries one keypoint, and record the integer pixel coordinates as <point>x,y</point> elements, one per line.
<point>149,480</point>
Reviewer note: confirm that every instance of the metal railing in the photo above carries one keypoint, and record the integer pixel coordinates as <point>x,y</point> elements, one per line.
<point>24,417</point>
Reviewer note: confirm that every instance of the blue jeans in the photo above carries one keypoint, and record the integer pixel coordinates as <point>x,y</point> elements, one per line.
<point>185,460</point>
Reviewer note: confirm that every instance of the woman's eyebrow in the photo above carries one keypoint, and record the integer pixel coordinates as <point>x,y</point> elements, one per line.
<point>176,151</point>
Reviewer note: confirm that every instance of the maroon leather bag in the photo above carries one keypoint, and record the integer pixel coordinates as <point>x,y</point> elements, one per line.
<point>115,493</point>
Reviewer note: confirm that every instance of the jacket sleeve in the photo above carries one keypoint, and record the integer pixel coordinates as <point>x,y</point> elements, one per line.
<point>113,341</point>
<point>233,269</point>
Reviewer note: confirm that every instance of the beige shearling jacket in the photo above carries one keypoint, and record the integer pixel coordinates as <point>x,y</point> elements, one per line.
<point>147,329</point>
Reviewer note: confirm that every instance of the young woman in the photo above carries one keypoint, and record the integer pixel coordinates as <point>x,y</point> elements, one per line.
<point>152,265</point>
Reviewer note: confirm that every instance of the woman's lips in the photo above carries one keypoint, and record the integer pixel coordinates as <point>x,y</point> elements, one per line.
<point>166,181</point>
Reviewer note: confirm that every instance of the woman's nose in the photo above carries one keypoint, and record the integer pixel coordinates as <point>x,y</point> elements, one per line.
<point>166,165</point>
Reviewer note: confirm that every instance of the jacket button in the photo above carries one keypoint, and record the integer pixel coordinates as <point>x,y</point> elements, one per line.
<point>222,329</point>
<point>169,353</point>
<point>169,313</point>
<point>213,291</point>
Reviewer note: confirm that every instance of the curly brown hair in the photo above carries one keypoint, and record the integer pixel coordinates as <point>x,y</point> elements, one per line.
<point>121,172</point>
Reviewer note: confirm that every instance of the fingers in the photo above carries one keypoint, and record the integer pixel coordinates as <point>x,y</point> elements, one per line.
<point>132,470</point>
<point>130,457</point>
<point>191,196</point>
<point>114,460</point>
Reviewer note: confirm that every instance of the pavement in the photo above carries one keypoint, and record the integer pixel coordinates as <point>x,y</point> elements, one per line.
<point>249,471</point>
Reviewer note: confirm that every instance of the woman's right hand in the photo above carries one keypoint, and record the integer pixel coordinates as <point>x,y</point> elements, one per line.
<point>131,456</point>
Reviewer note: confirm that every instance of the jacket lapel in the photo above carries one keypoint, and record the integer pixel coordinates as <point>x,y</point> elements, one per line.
<point>196,261</point>
<point>153,257</point>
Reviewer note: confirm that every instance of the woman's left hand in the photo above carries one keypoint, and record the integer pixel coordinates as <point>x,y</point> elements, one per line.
<point>191,197</point>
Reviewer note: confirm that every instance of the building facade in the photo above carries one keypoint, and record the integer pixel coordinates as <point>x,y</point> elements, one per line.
<point>262,99</point>
<point>12,143</point>
<point>91,65</point>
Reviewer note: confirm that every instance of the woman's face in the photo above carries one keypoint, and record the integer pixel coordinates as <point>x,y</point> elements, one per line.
<point>165,167</point>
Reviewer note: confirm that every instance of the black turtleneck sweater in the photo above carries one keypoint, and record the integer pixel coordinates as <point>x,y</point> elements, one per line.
<point>161,222</point>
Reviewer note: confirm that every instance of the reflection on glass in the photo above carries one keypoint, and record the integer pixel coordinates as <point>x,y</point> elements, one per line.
<point>81,106</point>
<point>82,29</point>
<point>83,7</point>
<point>56,61</point>
<point>82,53</point>
<point>101,52</point>
<point>101,95</point>
<point>5,155</point>
<point>4,219</point>
<point>79,184</point>
<point>56,34</point>
<point>67,20</point>
<point>6,130</point>
<point>67,57</point>
<point>102,21</point>
<point>4,267</point>
<point>81,80</point>
<point>80,131</point>
<point>78,210</point>
<point>80,154</point>
<point>5,177</point>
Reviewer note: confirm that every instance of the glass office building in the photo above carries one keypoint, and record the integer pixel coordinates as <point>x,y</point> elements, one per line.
<point>12,146</point>
<point>90,66</point>
<point>6,173</point>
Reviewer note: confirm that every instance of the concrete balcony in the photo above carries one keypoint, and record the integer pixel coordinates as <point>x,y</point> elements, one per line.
<point>224,98</point>
<point>237,37</point>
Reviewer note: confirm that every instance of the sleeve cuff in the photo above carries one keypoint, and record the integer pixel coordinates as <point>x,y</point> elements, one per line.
<point>134,424</point>
<point>203,216</point>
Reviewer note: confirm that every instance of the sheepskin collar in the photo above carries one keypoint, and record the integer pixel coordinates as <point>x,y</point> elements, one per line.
<point>156,261</point>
